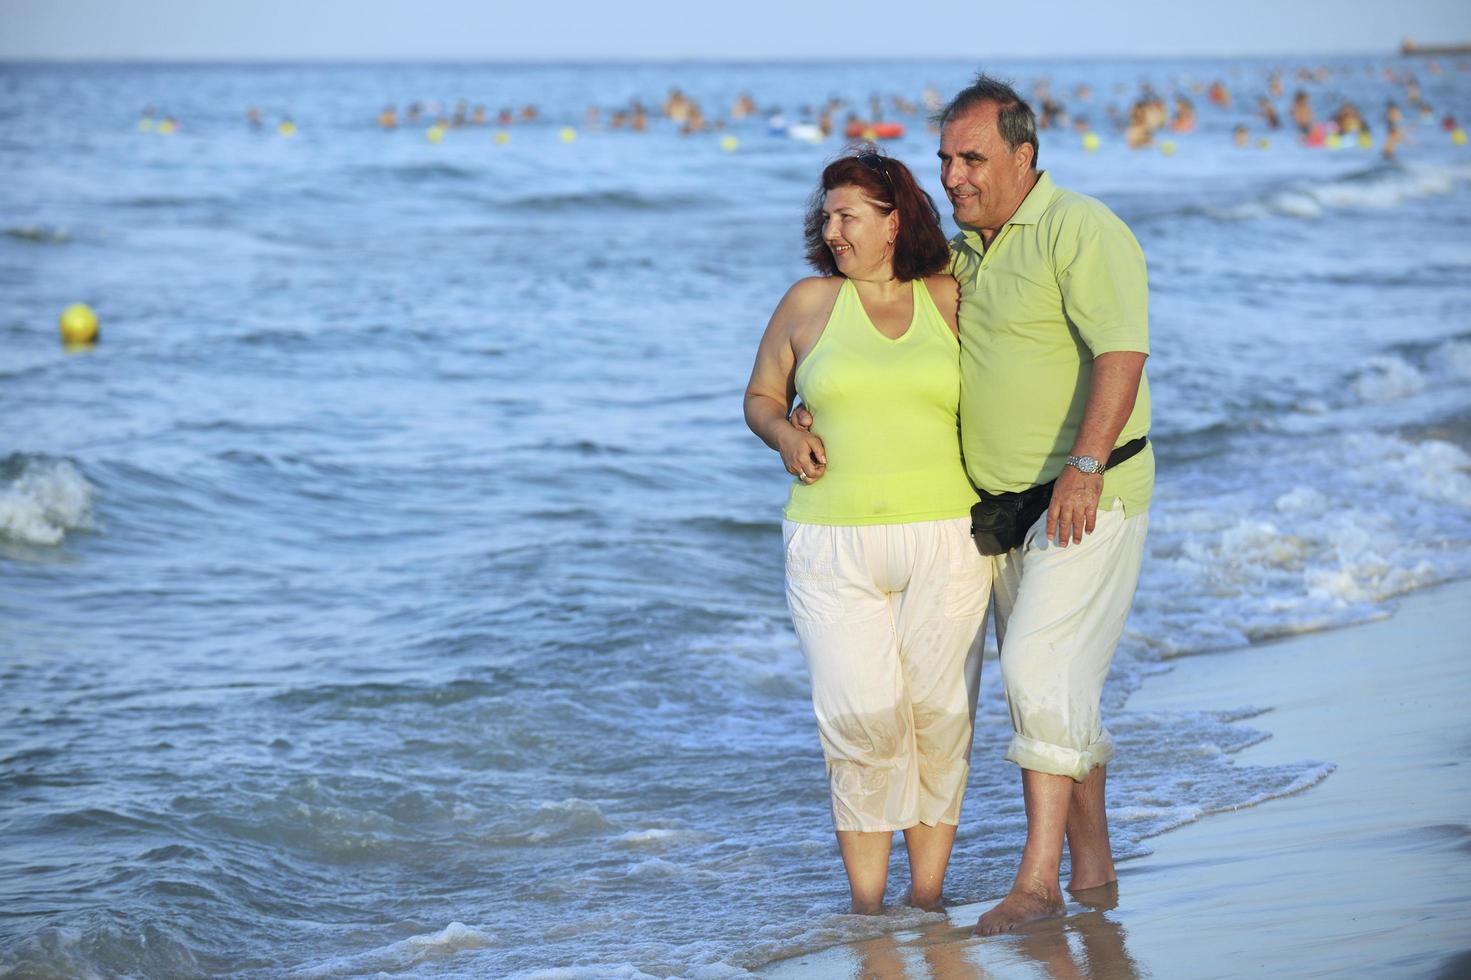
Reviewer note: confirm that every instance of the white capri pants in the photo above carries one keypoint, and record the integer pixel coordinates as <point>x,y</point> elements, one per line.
<point>891,618</point>
<point>1060,613</point>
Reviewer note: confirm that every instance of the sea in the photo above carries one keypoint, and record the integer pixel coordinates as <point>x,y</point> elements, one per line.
<point>395,588</point>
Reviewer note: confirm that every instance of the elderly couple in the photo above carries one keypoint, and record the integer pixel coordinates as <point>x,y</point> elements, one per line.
<point>1010,358</point>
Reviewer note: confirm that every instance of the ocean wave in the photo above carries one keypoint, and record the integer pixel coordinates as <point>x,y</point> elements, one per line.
<point>1319,546</point>
<point>627,971</point>
<point>405,954</point>
<point>41,499</point>
<point>1386,378</point>
<point>589,202</point>
<point>40,234</point>
<point>656,839</point>
<point>375,696</point>
<point>416,173</point>
<point>1412,369</point>
<point>162,202</point>
<point>1381,187</point>
<point>105,949</point>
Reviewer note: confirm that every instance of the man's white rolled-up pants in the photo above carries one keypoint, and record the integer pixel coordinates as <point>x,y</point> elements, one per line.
<point>1060,613</point>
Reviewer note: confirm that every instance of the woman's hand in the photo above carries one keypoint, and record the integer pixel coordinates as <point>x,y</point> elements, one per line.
<point>803,455</point>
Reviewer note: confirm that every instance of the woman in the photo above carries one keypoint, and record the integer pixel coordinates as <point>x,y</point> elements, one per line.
<point>885,588</point>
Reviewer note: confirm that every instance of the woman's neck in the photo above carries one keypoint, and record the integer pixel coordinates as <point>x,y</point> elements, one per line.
<point>882,284</point>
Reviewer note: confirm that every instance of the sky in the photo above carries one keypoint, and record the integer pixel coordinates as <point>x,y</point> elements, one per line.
<point>528,30</point>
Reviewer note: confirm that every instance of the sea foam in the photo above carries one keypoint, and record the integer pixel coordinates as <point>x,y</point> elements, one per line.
<point>44,500</point>
<point>405,954</point>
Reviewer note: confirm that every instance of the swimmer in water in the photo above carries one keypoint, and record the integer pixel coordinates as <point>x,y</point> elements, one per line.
<point>1392,139</point>
<point>1184,121</point>
<point>1302,112</point>
<point>1268,112</point>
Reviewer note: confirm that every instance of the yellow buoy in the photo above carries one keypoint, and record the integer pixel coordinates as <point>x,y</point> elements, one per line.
<point>435,133</point>
<point>1167,147</point>
<point>1366,142</point>
<point>167,127</point>
<point>1263,144</point>
<point>1333,142</point>
<point>78,325</point>
<point>287,129</point>
<point>729,143</point>
<point>1091,142</point>
<point>1459,137</point>
<point>568,134</point>
<point>502,138</point>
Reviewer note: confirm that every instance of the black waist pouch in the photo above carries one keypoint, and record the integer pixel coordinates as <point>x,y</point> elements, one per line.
<point>1000,521</point>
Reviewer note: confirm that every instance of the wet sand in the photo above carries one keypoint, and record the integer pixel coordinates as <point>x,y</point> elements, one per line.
<point>1366,874</point>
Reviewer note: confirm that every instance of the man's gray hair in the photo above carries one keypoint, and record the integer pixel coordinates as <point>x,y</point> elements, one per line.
<point>1015,120</point>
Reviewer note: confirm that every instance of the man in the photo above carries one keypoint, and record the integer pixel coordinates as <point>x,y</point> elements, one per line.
<point>1054,335</point>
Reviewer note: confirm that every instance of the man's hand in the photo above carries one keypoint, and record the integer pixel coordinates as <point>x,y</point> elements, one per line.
<point>1074,508</point>
<point>802,453</point>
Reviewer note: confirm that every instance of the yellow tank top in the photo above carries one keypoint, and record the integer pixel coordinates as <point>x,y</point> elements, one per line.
<point>886,411</point>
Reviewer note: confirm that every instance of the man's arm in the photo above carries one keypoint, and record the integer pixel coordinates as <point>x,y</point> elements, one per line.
<point>1075,496</point>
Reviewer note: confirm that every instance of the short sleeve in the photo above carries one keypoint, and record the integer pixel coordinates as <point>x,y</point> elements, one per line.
<point>1103,279</point>
<point>962,262</point>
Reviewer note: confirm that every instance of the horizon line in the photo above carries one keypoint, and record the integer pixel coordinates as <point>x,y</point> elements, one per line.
<point>552,60</point>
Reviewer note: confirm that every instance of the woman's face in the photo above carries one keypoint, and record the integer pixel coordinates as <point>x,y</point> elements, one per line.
<point>859,234</point>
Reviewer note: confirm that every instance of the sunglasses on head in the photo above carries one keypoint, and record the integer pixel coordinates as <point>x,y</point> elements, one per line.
<point>878,165</point>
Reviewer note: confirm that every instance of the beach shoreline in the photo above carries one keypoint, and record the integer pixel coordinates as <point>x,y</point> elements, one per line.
<point>1365,873</point>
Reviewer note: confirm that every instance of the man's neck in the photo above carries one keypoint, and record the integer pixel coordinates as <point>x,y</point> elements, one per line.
<point>989,234</point>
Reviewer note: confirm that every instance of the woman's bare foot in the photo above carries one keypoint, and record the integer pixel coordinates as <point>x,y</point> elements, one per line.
<point>1023,905</point>
<point>925,902</point>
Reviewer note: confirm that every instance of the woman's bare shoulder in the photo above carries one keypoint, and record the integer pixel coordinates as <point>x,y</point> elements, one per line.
<point>813,291</point>
<point>943,287</point>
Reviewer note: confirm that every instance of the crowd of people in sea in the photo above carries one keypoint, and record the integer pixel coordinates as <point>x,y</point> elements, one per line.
<point>1146,119</point>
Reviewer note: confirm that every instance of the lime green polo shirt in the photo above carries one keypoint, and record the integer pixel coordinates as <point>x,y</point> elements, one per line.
<point>1062,282</point>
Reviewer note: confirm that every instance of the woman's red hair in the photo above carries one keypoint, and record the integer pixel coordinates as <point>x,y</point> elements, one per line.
<point>920,249</point>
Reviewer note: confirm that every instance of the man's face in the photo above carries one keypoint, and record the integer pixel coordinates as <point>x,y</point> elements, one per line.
<point>985,181</point>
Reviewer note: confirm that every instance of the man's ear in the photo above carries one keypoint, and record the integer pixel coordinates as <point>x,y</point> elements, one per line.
<point>1023,156</point>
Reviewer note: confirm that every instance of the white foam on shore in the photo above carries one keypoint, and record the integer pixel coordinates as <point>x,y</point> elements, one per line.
<point>453,939</point>
<point>46,500</point>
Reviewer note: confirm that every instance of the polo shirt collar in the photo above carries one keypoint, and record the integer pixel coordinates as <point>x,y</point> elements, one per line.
<point>1029,212</point>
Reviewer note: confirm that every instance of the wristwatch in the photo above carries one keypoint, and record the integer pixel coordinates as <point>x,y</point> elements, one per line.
<point>1084,464</point>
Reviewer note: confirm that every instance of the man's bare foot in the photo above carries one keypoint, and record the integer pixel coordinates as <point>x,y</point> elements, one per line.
<point>1086,879</point>
<point>1103,898</point>
<point>1019,908</point>
<point>1091,870</point>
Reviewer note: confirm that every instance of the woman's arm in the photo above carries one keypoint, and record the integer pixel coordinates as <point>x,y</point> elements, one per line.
<point>773,385</point>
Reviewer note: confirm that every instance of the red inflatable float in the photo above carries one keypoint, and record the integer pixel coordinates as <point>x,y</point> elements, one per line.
<point>874,131</point>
